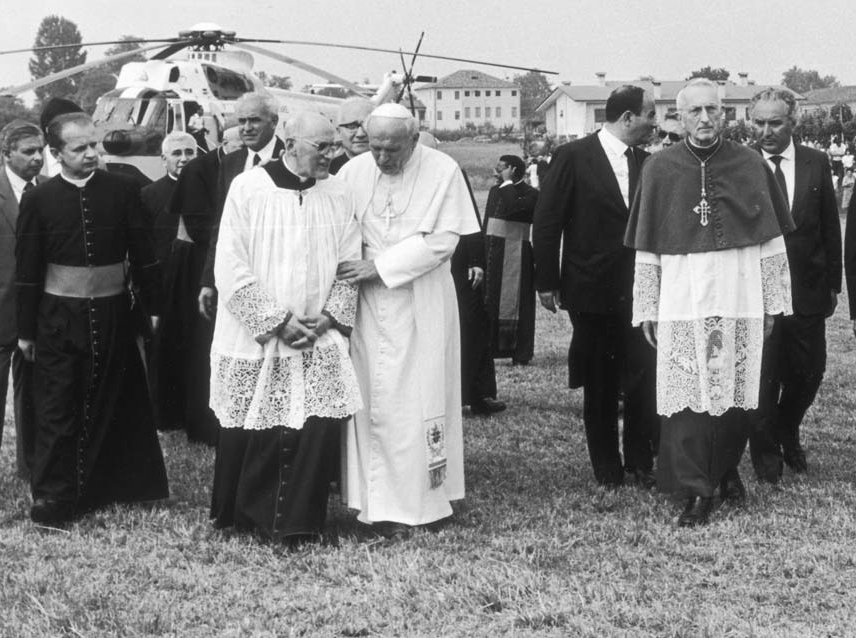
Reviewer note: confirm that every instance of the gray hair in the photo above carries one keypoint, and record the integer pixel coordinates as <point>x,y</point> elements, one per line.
<point>269,102</point>
<point>679,100</point>
<point>296,124</point>
<point>352,101</point>
<point>14,132</point>
<point>776,95</point>
<point>176,137</point>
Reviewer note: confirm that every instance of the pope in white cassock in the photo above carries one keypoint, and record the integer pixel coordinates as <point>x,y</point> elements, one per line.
<point>282,382</point>
<point>405,447</point>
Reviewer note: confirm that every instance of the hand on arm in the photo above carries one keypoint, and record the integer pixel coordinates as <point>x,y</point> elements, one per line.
<point>207,302</point>
<point>356,271</point>
<point>476,275</point>
<point>550,299</point>
<point>649,329</point>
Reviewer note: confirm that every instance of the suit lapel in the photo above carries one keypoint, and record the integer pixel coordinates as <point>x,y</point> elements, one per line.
<point>802,172</point>
<point>603,169</point>
<point>8,202</point>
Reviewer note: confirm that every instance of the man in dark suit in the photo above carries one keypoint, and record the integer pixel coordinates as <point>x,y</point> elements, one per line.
<point>22,147</point>
<point>584,206</point>
<point>257,120</point>
<point>795,353</point>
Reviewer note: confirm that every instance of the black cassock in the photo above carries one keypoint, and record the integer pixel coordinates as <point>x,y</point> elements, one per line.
<point>185,334</point>
<point>510,273</point>
<point>95,441</point>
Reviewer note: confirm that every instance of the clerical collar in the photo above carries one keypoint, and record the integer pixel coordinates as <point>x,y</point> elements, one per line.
<point>788,153</point>
<point>703,152</point>
<point>80,183</point>
<point>283,177</point>
<point>172,177</point>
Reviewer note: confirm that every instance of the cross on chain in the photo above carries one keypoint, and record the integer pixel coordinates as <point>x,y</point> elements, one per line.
<point>702,209</point>
<point>388,213</point>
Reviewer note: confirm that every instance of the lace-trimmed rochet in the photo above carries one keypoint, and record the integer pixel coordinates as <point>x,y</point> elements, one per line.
<point>776,284</point>
<point>646,293</point>
<point>342,303</point>
<point>256,309</point>
<point>257,394</point>
<point>709,365</point>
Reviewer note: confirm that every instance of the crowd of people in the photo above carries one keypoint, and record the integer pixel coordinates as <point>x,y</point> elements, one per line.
<point>318,306</point>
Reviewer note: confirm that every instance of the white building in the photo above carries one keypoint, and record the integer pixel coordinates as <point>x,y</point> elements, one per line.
<point>469,97</point>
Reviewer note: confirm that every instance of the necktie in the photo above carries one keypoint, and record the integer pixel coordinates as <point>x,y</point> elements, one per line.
<point>256,159</point>
<point>780,176</point>
<point>28,186</point>
<point>632,172</point>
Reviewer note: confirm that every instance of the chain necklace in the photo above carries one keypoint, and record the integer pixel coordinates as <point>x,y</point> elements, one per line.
<point>702,209</point>
<point>389,212</point>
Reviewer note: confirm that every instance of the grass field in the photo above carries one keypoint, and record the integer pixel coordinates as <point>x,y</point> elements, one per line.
<point>535,549</point>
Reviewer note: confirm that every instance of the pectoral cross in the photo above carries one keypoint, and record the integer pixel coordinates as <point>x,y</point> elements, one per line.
<point>702,209</point>
<point>388,212</point>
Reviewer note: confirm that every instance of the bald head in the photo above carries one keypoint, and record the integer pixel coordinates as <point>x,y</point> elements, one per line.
<point>310,144</point>
<point>232,139</point>
<point>393,134</point>
<point>350,122</point>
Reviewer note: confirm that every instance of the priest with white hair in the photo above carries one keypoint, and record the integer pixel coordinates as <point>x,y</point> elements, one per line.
<point>405,447</point>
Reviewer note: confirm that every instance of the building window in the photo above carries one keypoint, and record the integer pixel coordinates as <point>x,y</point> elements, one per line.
<point>498,94</point>
<point>457,95</point>
<point>487,112</point>
<point>513,93</point>
<point>457,115</point>
<point>478,112</point>
<point>730,113</point>
<point>439,95</point>
<point>498,112</point>
<point>599,116</point>
<point>478,93</point>
<point>466,112</point>
<point>439,115</point>
<point>513,111</point>
<point>466,94</point>
<point>487,93</point>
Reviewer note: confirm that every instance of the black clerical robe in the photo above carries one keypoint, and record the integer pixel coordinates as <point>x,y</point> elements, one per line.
<point>95,441</point>
<point>510,273</point>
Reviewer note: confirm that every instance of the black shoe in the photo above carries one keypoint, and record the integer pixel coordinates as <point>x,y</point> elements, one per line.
<point>46,511</point>
<point>795,459</point>
<point>486,405</point>
<point>731,488</point>
<point>643,478</point>
<point>696,512</point>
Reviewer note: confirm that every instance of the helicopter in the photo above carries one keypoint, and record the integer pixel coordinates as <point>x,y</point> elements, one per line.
<point>209,67</point>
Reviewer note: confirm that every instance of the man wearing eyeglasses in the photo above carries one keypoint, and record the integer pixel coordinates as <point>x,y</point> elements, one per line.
<point>282,381</point>
<point>350,121</point>
<point>669,133</point>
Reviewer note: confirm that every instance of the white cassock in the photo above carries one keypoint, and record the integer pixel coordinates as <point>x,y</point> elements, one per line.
<point>405,457</point>
<point>277,252</point>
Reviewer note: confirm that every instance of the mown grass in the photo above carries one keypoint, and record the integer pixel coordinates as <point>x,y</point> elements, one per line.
<point>535,549</point>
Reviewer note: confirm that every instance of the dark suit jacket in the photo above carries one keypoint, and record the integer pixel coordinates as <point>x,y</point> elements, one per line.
<point>195,195</point>
<point>156,206</point>
<point>8,223</point>
<point>814,248</point>
<point>230,166</point>
<point>580,208</point>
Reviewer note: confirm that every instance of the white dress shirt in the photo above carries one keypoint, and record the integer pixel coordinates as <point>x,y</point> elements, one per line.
<point>789,168</point>
<point>615,149</point>
<point>16,183</point>
<point>264,154</point>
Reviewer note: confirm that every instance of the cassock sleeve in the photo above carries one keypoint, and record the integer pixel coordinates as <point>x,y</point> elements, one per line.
<point>30,266</point>
<point>238,286</point>
<point>646,288</point>
<point>145,269</point>
<point>775,278</point>
<point>414,256</point>
<point>551,216</point>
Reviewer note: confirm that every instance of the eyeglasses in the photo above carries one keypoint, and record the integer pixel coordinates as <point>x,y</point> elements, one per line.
<point>353,126</point>
<point>673,137</point>
<point>325,148</point>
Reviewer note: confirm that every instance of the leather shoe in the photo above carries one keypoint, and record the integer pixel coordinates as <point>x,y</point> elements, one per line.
<point>643,478</point>
<point>45,511</point>
<point>487,405</point>
<point>696,512</point>
<point>731,488</point>
<point>795,459</point>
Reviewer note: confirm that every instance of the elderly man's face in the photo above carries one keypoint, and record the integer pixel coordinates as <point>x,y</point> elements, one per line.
<point>232,140</point>
<point>391,144</point>
<point>352,129</point>
<point>256,124</point>
<point>701,114</point>
<point>26,157</point>
<point>178,154</point>
<point>313,149</point>
<point>772,125</point>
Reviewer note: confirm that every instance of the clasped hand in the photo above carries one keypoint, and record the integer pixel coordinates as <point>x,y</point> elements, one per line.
<point>299,332</point>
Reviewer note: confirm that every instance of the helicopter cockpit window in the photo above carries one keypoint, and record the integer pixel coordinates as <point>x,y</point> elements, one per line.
<point>227,84</point>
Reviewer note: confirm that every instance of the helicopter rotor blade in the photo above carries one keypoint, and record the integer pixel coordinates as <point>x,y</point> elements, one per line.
<point>53,77</point>
<point>380,50</point>
<point>170,50</point>
<point>410,74</point>
<point>302,65</point>
<point>85,44</point>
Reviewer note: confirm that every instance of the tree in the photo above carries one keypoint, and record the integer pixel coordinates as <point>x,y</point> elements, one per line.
<point>534,89</point>
<point>127,44</point>
<point>717,75</point>
<point>276,81</point>
<point>803,81</point>
<point>12,108</point>
<point>55,30</point>
<point>92,84</point>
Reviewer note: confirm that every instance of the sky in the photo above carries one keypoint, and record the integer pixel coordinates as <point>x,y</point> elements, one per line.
<point>577,38</point>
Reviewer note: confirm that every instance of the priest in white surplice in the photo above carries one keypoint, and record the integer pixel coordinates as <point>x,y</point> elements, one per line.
<point>281,379</point>
<point>405,447</point>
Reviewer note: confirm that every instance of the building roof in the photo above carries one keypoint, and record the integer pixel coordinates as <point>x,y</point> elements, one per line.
<point>470,79</point>
<point>665,91</point>
<point>832,95</point>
